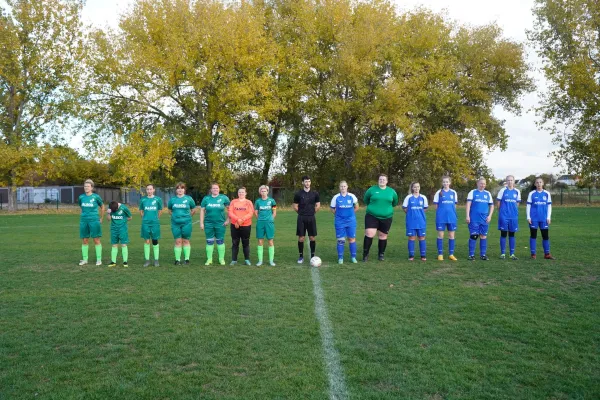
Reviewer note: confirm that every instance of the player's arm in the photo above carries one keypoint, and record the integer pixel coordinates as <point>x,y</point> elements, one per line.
<point>529,208</point>
<point>405,204</point>
<point>333,204</point>
<point>232,217</point>
<point>248,215</point>
<point>128,213</point>
<point>101,213</point>
<point>140,208</point>
<point>468,211</point>
<point>549,215</point>
<point>296,202</point>
<point>274,210</point>
<point>317,202</point>
<point>436,199</point>
<point>202,211</point>
<point>227,219</point>
<point>160,208</point>
<point>193,208</point>
<point>489,217</point>
<point>425,204</point>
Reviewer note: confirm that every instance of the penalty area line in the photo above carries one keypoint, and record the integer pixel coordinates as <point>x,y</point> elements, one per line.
<point>333,366</point>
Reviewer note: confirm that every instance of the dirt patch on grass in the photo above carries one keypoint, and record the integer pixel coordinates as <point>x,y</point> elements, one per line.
<point>480,284</point>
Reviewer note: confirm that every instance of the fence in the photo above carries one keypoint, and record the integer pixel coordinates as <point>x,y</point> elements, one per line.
<point>30,198</point>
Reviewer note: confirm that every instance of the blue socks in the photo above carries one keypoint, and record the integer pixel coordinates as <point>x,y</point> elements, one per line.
<point>472,244</point>
<point>546,244</point>
<point>340,248</point>
<point>423,247</point>
<point>512,242</point>
<point>503,245</point>
<point>451,246</point>
<point>482,247</point>
<point>411,248</point>
<point>353,250</point>
<point>532,245</point>
<point>440,246</point>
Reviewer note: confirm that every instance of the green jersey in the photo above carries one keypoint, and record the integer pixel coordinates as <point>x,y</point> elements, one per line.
<point>381,202</point>
<point>150,206</point>
<point>119,218</point>
<point>89,206</point>
<point>215,209</point>
<point>181,208</point>
<point>265,208</point>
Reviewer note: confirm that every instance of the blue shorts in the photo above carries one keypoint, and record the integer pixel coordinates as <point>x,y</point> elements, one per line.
<point>478,229</point>
<point>415,232</point>
<point>539,224</point>
<point>511,224</point>
<point>443,226</point>
<point>346,230</point>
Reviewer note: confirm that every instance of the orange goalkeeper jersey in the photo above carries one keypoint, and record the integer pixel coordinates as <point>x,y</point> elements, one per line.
<point>241,209</point>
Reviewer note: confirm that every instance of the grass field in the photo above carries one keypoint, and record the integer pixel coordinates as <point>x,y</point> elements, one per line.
<point>527,329</point>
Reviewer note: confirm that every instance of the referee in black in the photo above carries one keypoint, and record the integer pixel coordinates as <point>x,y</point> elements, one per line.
<point>306,203</point>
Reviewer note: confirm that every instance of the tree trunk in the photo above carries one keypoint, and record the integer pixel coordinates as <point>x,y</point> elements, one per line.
<point>12,196</point>
<point>270,153</point>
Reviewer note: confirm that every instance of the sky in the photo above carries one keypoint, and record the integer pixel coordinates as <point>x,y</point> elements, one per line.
<point>528,146</point>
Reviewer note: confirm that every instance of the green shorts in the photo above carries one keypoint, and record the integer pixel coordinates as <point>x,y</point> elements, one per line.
<point>265,228</point>
<point>120,235</point>
<point>182,230</point>
<point>215,231</point>
<point>89,229</point>
<point>151,231</point>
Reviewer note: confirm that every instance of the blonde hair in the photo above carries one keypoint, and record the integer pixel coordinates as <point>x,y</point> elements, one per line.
<point>263,187</point>
<point>343,182</point>
<point>91,182</point>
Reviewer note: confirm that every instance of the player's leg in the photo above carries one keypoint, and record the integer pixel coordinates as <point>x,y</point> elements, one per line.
<point>260,236</point>
<point>351,235</point>
<point>451,241</point>
<point>186,235</point>
<point>124,240</point>
<point>483,231</point>
<point>422,244</point>
<point>340,236</point>
<point>96,234</point>
<point>235,243</point>
<point>114,250</point>
<point>546,243</point>
<point>176,229</point>
<point>220,239</point>
<point>383,228</point>
<point>84,235</point>
<point>533,227</point>
<point>245,236</point>
<point>301,233</point>
<point>311,229</point>
<point>270,234</point>
<point>513,227</point>
<point>371,224</point>
<point>271,252</point>
<point>440,228</point>
<point>146,235</point>
<point>473,236</point>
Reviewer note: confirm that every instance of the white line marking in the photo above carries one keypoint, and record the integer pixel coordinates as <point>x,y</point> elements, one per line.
<point>337,381</point>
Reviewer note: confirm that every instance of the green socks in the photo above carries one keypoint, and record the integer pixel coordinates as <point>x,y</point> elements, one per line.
<point>260,253</point>
<point>125,252</point>
<point>186,252</point>
<point>221,251</point>
<point>210,248</point>
<point>84,251</point>
<point>271,253</point>
<point>146,251</point>
<point>98,252</point>
<point>177,253</point>
<point>155,252</point>
<point>113,254</point>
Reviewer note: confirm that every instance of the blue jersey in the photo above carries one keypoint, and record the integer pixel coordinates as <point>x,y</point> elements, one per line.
<point>344,208</point>
<point>481,200</point>
<point>415,207</point>
<point>509,203</point>
<point>446,206</point>
<point>538,203</point>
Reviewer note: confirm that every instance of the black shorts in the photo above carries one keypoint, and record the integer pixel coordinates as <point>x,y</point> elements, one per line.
<point>382,225</point>
<point>306,224</point>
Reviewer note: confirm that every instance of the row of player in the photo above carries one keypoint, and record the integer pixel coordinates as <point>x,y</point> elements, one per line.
<point>217,211</point>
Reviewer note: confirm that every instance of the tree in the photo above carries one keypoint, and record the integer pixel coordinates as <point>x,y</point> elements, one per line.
<point>40,53</point>
<point>567,37</point>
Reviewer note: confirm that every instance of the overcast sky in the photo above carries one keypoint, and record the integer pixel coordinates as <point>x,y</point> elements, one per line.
<point>528,147</point>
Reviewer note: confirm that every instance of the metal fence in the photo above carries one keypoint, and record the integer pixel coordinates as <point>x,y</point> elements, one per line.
<point>33,198</point>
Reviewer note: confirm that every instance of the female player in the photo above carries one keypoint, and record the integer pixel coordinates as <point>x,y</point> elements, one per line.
<point>344,206</point>
<point>445,201</point>
<point>508,200</point>
<point>90,223</point>
<point>240,215</point>
<point>380,201</point>
<point>539,213</point>
<point>213,220</point>
<point>182,208</point>
<point>265,210</point>
<point>415,205</point>
<point>119,232</point>
<point>151,208</point>
<point>480,207</point>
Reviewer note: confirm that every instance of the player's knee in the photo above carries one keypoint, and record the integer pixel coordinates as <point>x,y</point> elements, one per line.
<point>511,234</point>
<point>545,235</point>
<point>221,241</point>
<point>210,242</point>
<point>341,241</point>
<point>154,242</point>
<point>474,237</point>
<point>503,234</point>
<point>533,233</point>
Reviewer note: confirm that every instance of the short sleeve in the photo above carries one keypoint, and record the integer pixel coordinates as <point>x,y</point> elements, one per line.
<point>491,201</point>
<point>334,201</point>
<point>227,202</point>
<point>354,199</point>
<point>126,211</point>
<point>317,197</point>
<point>405,203</point>
<point>170,204</point>
<point>141,203</point>
<point>274,204</point>
<point>500,194</point>
<point>455,196</point>
<point>297,198</point>
<point>204,202</point>
<point>529,197</point>
<point>395,199</point>
<point>98,199</point>
<point>79,200</point>
<point>518,196</point>
<point>470,196</point>
<point>425,202</point>
<point>192,203</point>
<point>549,198</point>
<point>436,197</point>
<point>159,202</point>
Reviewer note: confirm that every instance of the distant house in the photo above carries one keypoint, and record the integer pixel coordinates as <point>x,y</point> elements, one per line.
<point>570,180</point>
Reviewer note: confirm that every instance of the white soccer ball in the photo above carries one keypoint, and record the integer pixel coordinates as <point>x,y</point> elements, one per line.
<point>315,262</point>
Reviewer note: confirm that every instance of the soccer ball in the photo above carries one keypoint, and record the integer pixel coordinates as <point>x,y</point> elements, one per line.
<point>315,262</point>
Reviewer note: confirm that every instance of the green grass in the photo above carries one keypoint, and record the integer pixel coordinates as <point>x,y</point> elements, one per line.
<point>436,330</point>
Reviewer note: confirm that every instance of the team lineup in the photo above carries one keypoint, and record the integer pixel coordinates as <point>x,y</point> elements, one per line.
<point>217,211</point>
